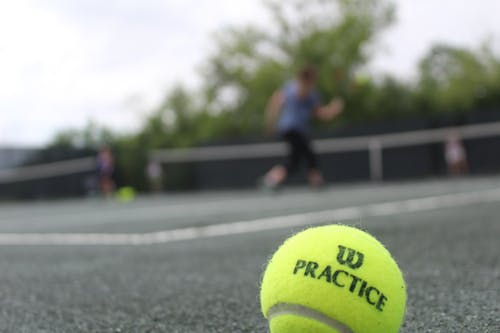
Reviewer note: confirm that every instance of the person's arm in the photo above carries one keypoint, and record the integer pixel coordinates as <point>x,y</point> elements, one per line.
<point>331,110</point>
<point>273,109</point>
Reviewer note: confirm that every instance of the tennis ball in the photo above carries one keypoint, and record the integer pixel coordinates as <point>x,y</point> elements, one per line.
<point>125,194</point>
<point>333,279</point>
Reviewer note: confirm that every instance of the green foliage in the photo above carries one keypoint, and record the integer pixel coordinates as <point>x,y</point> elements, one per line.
<point>92,136</point>
<point>457,79</point>
<point>250,63</point>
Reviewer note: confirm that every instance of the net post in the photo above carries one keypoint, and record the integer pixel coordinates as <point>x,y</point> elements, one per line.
<point>376,161</point>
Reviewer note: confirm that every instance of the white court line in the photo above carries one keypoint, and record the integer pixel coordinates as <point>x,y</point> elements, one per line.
<point>107,215</point>
<point>250,226</point>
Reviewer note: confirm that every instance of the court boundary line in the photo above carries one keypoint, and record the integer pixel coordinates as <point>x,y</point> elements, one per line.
<point>337,215</point>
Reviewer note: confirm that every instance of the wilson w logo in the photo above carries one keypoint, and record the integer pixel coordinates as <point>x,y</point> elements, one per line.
<point>349,257</point>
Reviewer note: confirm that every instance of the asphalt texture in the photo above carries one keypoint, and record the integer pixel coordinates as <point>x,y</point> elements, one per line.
<point>450,258</point>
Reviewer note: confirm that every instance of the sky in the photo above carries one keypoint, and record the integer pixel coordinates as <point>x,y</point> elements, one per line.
<point>64,63</point>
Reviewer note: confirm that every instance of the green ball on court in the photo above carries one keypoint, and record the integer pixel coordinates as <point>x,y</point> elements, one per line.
<point>125,194</point>
<point>333,279</point>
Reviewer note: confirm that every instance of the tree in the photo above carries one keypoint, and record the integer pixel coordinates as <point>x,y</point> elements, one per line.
<point>92,136</point>
<point>249,63</point>
<point>456,78</point>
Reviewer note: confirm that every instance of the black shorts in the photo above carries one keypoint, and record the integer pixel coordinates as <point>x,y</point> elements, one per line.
<point>299,147</point>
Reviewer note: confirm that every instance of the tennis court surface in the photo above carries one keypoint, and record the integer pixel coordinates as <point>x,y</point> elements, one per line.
<point>192,262</point>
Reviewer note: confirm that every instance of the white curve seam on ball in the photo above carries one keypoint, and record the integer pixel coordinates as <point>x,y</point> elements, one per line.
<point>282,309</point>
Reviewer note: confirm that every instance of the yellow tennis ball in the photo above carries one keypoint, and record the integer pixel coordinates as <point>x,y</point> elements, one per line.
<point>125,194</point>
<point>333,279</point>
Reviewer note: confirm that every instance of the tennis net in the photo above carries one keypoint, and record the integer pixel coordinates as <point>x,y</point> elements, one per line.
<point>57,179</point>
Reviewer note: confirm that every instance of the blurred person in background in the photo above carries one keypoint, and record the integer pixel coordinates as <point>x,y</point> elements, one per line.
<point>154,174</point>
<point>290,112</point>
<point>105,169</point>
<point>455,156</point>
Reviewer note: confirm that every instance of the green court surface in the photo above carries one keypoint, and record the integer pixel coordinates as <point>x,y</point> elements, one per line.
<point>192,262</point>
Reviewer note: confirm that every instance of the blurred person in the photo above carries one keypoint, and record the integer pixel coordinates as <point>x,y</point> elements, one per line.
<point>105,169</point>
<point>90,185</point>
<point>455,156</point>
<point>290,112</point>
<point>154,174</point>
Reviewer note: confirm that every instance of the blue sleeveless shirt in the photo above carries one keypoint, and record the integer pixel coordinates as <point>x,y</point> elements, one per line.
<point>297,111</point>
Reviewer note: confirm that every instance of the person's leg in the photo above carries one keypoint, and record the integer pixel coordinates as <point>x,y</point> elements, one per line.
<point>106,187</point>
<point>315,178</point>
<point>314,175</point>
<point>278,174</point>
